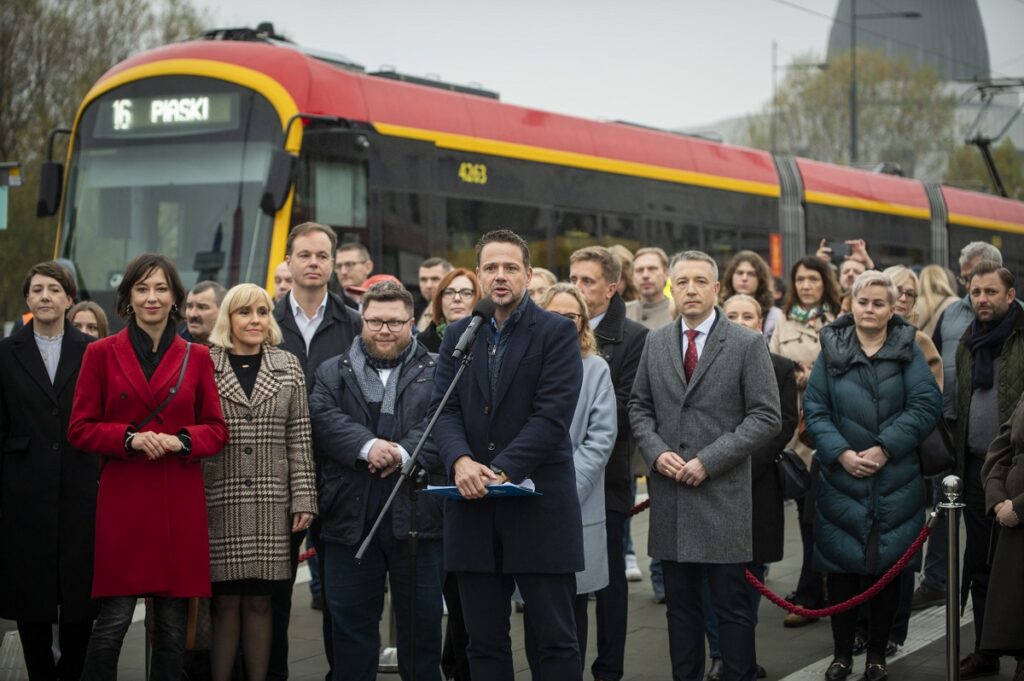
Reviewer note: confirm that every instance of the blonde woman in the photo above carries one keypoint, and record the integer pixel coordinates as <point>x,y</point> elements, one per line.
<point>907,295</point>
<point>592,432</point>
<point>935,295</point>
<point>261,488</point>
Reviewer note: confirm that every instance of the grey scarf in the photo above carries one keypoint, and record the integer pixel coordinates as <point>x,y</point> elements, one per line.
<point>374,390</point>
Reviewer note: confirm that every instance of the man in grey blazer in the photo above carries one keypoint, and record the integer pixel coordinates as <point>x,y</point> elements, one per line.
<point>704,398</point>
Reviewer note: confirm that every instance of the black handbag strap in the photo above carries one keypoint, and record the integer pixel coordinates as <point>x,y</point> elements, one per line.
<point>172,393</point>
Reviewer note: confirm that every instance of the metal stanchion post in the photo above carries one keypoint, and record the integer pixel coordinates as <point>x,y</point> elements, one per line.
<point>951,487</point>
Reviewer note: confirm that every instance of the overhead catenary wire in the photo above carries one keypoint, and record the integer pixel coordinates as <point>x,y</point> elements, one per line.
<point>896,41</point>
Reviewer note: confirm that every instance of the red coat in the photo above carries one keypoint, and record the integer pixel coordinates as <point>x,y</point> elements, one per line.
<point>151,528</point>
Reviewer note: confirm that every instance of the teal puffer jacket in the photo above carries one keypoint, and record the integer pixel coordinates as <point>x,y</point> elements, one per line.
<point>863,525</point>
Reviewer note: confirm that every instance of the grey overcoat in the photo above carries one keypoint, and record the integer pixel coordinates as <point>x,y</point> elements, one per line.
<point>728,410</point>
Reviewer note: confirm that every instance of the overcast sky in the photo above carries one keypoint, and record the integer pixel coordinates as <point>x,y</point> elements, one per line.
<point>667,63</point>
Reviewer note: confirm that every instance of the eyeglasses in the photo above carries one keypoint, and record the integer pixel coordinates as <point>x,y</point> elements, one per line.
<point>572,316</point>
<point>460,292</point>
<point>348,264</point>
<point>394,325</point>
<point>909,294</point>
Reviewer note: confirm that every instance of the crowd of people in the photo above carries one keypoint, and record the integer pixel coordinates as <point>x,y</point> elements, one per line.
<point>185,458</point>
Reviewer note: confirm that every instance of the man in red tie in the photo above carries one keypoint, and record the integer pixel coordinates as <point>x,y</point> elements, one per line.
<point>704,398</point>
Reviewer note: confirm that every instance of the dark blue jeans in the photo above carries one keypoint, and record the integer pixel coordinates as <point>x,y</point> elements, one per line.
<point>354,594</point>
<point>112,624</point>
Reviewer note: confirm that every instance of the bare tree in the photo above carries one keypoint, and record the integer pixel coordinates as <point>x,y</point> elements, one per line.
<point>51,53</point>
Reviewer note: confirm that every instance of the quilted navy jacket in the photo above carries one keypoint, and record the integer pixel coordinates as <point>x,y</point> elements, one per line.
<point>863,525</point>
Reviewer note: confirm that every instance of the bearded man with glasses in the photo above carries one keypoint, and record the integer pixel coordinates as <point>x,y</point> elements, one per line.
<point>367,410</point>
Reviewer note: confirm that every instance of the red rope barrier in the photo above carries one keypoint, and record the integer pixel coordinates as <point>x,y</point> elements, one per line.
<point>306,555</point>
<point>856,600</point>
<point>642,506</point>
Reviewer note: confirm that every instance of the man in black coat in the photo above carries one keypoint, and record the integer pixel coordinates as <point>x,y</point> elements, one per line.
<point>316,325</point>
<point>595,272</point>
<point>508,420</point>
<point>368,412</point>
<point>47,488</point>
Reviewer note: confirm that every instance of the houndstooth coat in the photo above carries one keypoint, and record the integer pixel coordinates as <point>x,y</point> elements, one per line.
<point>264,475</point>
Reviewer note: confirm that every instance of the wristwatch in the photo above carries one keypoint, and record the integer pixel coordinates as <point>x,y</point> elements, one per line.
<point>500,473</point>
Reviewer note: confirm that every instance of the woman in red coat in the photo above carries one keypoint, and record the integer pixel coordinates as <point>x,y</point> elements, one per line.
<point>146,401</point>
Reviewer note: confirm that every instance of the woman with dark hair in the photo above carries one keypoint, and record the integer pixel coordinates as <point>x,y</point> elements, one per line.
<point>457,295</point>
<point>89,318</point>
<point>811,302</point>
<point>48,496</point>
<point>148,404</point>
<point>748,273</point>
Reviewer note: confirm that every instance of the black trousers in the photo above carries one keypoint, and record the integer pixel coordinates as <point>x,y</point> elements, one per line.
<point>979,541</point>
<point>612,605</point>
<point>487,605</point>
<point>582,631</point>
<point>454,662</point>
<point>842,587</point>
<point>731,599</point>
<point>37,646</point>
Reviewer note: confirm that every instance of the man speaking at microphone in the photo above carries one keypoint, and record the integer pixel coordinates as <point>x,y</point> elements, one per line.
<point>508,420</point>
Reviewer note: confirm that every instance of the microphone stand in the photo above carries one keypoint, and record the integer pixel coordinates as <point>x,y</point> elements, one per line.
<point>413,472</point>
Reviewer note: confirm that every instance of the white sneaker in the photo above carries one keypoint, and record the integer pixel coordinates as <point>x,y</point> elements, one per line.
<point>633,573</point>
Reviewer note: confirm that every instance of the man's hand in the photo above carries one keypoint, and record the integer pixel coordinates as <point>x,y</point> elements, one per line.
<point>824,252</point>
<point>1005,515</point>
<point>669,464</point>
<point>472,478</point>
<point>384,457</point>
<point>859,251</point>
<point>693,473</point>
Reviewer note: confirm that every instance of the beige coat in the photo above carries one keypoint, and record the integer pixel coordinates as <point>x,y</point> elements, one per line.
<point>799,342</point>
<point>264,475</point>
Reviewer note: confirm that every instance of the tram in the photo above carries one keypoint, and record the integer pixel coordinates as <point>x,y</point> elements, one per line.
<point>210,150</point>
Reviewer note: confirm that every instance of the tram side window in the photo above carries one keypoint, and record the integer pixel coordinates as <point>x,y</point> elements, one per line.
<point>621,229</point>
<point>891,239</point>
<point>331,192</point>
<point>1009,244</point>
<point>466,220</point>
<point>673,235</point>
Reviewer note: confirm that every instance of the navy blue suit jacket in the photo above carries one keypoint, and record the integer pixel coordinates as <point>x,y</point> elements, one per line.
<point>524,432</point>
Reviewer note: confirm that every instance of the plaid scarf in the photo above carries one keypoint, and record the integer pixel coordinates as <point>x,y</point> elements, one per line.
<point>799,314</point>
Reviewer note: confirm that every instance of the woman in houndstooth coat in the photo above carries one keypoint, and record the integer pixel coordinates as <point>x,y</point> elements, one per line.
<point>261,488</point>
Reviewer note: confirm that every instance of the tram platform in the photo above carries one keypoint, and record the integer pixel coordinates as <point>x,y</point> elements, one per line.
<point>787,654</point>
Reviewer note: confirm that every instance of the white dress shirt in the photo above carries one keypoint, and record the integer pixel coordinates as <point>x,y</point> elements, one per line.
<point>307,325</point>
<point>703,329</point>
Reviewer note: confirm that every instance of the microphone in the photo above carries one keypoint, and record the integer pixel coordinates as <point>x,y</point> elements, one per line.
<point>482,314</point>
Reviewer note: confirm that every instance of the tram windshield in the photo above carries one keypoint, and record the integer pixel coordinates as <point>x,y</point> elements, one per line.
<point>174,165</point>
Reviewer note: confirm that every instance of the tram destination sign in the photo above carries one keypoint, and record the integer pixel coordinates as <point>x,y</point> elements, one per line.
<point>167,115</point>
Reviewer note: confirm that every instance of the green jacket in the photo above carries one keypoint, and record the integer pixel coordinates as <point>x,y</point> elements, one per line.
<point>1011,385</point>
